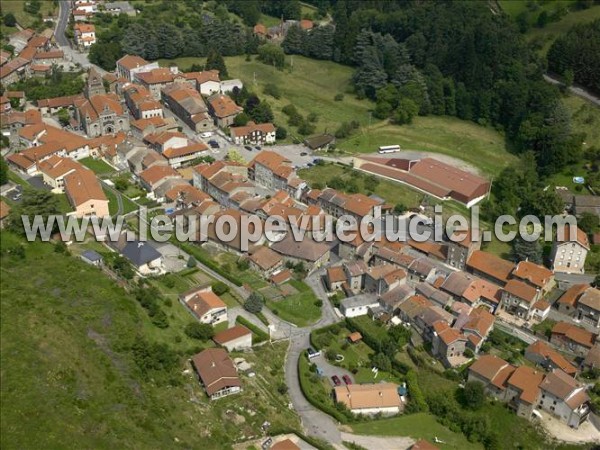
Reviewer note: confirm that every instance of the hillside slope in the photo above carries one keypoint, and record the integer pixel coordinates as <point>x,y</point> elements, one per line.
<point>76,358</point>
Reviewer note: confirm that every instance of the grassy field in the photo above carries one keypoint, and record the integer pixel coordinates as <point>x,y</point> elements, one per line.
<point>247,276</point>
<point>585,119</point>
<point>480,146</point>
<point>310,85</point>
<point>71,351</point>
<point>23,18</point>
<point>418,426</point>
<point>269,21</point>
<point>300,308</point>
<point>97,165</point>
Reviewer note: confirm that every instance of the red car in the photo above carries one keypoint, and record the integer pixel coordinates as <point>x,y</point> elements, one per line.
<point>336,380</point>
<point>347,379</point>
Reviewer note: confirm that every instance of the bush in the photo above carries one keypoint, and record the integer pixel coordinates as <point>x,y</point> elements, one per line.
<point>254,303</point>
<point>200,331</point>
<point>10,20</point>
<point>280,133</point>
<point>219,288</point>
<point>338,97</point>
<point>473,395</point>
<point>191,262</point>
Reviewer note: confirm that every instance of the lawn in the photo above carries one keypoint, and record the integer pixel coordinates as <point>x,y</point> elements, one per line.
<point>357,356</point>
<point>482,147</point>
<point>63,204</point>
<point>269,21</point>
<point>300,308</point>
<point>418,426</point>
<point>585,119</point>
<point>17,179</point>
<point>97,165</point>
<point>113,203</point>
<point>23,18</point>
<point>229,263</point>
<point>67,338</point>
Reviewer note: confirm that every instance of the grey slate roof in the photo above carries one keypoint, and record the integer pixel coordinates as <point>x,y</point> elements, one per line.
<point>140,253</point>
<point>91,255</point>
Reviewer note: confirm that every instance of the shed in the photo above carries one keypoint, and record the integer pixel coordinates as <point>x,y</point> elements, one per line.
<point>354,337</point>
<point>91,257</point>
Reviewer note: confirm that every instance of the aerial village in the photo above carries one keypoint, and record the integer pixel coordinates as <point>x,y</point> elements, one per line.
<point>171,135</point>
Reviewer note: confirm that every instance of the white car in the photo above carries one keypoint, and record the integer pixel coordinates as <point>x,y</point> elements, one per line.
<point>206,134</point>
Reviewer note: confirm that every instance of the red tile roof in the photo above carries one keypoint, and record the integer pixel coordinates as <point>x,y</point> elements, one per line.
<point>490,265</point>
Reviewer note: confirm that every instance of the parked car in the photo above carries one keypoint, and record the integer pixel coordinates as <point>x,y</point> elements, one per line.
<point>336,380</point>
<point>347,379</point>
<point>303,154</point>
<point>213,143</point>
<point>258,147</point>
<point>206,134</point>
<point>247,147</point>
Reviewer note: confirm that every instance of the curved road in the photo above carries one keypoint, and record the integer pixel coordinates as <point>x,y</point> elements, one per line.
<point>578,91</point>
<point>63,21</point>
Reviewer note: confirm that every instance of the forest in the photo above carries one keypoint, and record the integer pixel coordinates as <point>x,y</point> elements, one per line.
<point>575,56</point>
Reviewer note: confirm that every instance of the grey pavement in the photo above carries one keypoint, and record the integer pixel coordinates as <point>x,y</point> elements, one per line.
<point>565,280</point>
<point>315,422</point>
<point>379,442</point>
<point>576,90</point>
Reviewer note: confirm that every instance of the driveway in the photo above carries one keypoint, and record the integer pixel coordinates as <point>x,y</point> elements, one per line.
<point>315,422</point>
<point>379,442</point>
<point>330,370</point>
<point>171,256</point>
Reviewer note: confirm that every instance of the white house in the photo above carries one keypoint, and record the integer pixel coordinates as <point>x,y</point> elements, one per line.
<point>370,398</point>
<point>205,305</point>
<point>569,251</point>
<point>235,338</point>
<point>252,133</point>
<point>230,85</point>
<point>85,35</point>
<point>563,397</point>
<point>358,305</point>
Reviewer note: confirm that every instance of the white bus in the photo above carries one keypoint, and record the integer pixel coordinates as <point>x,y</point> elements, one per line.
<point>389,148</point>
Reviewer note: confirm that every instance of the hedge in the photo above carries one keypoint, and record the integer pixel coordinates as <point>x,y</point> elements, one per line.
<point>260,335</point>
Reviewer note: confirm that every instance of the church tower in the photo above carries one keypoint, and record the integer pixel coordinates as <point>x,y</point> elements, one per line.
<point>94,85</point>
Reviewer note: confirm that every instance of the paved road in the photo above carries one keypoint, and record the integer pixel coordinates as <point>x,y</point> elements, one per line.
<point>63,21</point>
<point>315,422</point>
<point>578,91</point>
<point>71,55</point>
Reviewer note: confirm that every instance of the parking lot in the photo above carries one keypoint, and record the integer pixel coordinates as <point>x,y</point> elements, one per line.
<point>13,192</point>
<point>298,154</point>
